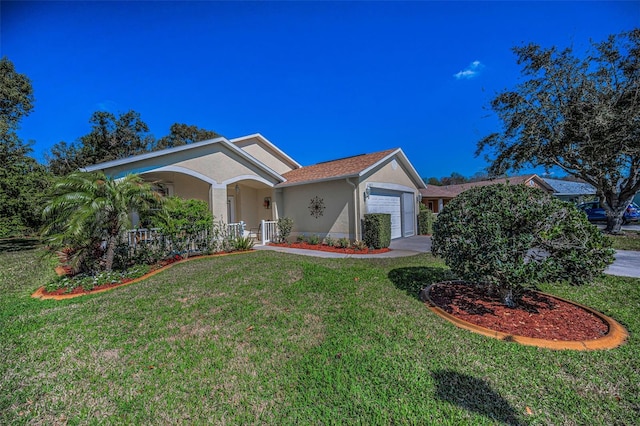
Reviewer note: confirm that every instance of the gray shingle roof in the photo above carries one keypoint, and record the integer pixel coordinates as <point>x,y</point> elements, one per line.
<point>566,187</point>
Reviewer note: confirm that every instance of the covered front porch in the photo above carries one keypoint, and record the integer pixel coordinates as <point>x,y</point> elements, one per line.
<point>245,203</point>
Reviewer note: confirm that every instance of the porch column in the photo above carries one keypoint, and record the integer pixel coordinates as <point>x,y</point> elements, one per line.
<point>218,202</point>
<point>277,204</point>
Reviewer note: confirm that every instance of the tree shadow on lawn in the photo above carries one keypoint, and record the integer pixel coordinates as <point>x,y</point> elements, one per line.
<point>414,279</point>
<point>474,395</point>
<point>18,244</point>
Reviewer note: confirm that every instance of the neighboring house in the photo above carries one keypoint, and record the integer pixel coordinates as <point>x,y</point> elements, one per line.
<point>436,197</point>
<point>575,192</point>
<point>249,179</point>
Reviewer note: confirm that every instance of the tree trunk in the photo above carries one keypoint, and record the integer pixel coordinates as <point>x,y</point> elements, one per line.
<point>508,298</point>
<point>111,253</point>
<point>614,223</point>
<point>615,208</point>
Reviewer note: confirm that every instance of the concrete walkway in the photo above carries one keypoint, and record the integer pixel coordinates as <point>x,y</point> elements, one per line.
<point>399,248</point>
<point>626,264</point>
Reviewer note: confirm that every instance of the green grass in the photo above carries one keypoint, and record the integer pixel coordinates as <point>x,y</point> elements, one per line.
<point>272,338</point>
<point>629,241</point>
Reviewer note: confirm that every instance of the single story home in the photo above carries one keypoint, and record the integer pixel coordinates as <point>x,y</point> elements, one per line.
<point>251,180</point>
<point>436,197</point>
<point>572,191</point>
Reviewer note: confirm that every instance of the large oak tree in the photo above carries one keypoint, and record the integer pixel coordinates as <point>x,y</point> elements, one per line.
<point>184,134</point>
<point>112,137</point>
<point>581,114</point>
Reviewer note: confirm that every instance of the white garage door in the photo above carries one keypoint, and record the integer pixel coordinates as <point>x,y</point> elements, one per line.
<point>408,215</point>
<point>387,202</point>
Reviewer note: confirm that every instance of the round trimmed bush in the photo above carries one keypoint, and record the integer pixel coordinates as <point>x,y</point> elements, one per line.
<point>515,237</point>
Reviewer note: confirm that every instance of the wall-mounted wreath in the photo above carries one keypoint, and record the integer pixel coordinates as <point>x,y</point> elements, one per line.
<point>316,207</point>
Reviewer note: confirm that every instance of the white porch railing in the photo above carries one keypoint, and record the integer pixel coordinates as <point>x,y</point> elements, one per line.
<point>142,235</point>
<point>148,237</point>
<point>268,230</point>
<point>236,229</point>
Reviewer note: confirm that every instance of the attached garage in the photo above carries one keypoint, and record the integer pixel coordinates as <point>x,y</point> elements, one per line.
<point>399,205</point>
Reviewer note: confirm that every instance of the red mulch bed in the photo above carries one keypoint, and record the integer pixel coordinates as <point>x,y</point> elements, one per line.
<point>65,270</point>
<point>80,290</point>
<point>324,247</point>
<point>539,316</point>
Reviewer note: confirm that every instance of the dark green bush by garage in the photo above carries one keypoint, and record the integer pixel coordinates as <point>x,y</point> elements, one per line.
<point>377,230</point>
<point>425,220</point>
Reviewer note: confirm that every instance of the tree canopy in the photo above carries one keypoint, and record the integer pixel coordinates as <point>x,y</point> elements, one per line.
<point>581,114</point>
<point>184,134</point>
<point>22,179</point>
<point>16,96</point>
<point>111,138</point>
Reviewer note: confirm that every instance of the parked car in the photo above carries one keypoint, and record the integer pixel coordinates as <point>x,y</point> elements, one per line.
<point>596,213</point>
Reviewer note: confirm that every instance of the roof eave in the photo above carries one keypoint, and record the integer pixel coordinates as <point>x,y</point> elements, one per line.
<point>271,145</point>
<point>327,179</point>
<point>169,151</point>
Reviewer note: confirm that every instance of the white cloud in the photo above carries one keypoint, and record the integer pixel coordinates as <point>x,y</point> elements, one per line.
<point>471,71</point>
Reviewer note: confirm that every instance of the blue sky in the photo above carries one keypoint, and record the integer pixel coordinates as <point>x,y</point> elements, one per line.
<point>321,80</point>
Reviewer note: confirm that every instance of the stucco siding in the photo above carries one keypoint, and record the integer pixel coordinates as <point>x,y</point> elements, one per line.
<point>261,153</point>
<point>219,209</point>
<point>392,172</point>
<point>221,166</point>
<point>187,187</point>
<point>337,216</point>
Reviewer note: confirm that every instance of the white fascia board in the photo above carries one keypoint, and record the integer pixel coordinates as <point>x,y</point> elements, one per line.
<point>270,145</point>
<point>405,161</point>
<point>308,182</point>
<point>148,155</point>
<point>169,151</point>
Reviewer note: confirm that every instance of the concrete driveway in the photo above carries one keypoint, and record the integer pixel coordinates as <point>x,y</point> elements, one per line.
<point>627,264</point>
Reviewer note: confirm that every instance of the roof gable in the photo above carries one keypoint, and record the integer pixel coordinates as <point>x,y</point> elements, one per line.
<point>344,167</point>
<point>357,165</point>
<point>194,149</point>
<point>263,150</point>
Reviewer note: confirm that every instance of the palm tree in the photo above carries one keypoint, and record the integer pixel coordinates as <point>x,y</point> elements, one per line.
<point>88,212</point>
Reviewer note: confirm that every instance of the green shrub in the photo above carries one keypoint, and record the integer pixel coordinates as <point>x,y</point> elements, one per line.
<point>359,245</point>
<point>425,220</point>
<point>184,222</point>
<point>242,243</point>
<point>377,230</point>
<point>343,243</point>
<point>515,237</point>
<point>89,281</point>
<point>330,241</point>
<point>314,239</point>
<point>285,224</point>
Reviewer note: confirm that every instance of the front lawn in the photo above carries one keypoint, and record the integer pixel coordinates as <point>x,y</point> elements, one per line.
<point>267,337</point>
<point>629,240</point>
